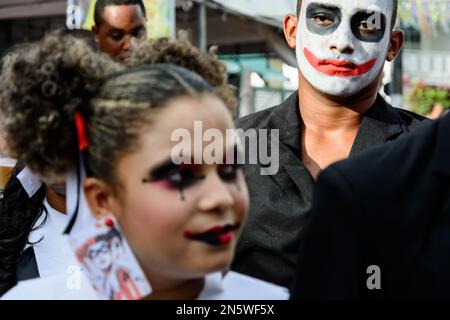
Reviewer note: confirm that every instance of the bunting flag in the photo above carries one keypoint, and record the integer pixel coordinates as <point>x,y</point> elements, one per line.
<point>428,16</point>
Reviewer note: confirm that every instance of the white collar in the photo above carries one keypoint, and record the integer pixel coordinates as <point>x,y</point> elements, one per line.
<point>236,286</point>
<point>213,286</point>
<point>51,249</point>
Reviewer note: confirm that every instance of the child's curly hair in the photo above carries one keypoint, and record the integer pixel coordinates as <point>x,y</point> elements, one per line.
<point>180,52</point>
<point>42,85</point>
<point>45,83</point>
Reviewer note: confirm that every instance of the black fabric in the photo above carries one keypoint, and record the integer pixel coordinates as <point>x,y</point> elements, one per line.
<point>27,266</point>
<point>389,207</point>
<point>269,244</point>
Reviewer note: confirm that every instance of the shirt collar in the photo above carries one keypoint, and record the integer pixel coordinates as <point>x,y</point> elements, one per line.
<point>379,124</point>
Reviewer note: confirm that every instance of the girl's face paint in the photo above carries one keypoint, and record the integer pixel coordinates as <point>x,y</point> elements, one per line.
<point>173,238</point>
<point>342,44</point>
<point>175,177</point>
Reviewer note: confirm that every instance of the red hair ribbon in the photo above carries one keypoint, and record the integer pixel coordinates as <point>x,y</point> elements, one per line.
<point>81,132</point>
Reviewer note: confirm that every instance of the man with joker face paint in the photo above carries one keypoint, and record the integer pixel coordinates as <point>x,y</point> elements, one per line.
<point>341,47</point>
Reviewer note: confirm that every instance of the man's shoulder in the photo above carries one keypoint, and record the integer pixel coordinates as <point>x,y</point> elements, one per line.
<point>391,162</point>
<point>411,119</point>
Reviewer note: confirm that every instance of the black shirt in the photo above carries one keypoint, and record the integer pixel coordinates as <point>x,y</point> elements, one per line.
<point>279,203</point>
<point>387,208</point>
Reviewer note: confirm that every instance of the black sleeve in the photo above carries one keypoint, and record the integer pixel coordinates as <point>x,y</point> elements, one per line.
<point>330,261</point>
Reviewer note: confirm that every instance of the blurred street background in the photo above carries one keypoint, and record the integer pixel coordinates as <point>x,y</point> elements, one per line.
<point>249,38</point>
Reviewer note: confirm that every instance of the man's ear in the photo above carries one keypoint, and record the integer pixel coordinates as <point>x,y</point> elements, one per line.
<point>395,44</point>
<point>290,30</point>
<point>100,198</point>
<point>95,32</point>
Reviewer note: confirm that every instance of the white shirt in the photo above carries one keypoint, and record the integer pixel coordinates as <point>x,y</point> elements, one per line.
<point>236,286</point>
<point>53,253</point>
<point>62,278</point>
<point>232,286</point>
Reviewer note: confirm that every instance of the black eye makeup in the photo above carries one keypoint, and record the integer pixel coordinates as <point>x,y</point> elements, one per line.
<point>229,172</point>
<point>368,26</point>
<point>172,176</point>
<point>322,19</point>
<point>176,176</point>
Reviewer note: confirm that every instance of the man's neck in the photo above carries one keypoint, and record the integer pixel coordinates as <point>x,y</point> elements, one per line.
<point>321,112</point>
<point>329,125</point>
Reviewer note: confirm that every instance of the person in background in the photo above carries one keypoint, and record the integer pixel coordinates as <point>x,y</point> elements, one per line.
<point>117,22</point>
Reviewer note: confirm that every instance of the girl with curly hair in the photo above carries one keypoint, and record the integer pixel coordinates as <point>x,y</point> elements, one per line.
<point>30,222</point>
<point>182,221</point>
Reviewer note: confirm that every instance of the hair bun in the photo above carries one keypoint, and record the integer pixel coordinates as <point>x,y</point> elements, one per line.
<point>42,85</point>
<point>180,52</point>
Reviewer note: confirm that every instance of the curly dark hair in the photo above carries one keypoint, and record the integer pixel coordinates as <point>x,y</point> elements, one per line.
<point>43,84</point>
<point>179,51</point>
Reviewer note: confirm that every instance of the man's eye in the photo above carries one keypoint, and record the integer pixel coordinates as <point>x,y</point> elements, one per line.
<point>116,37</point>
<point>323,20</point>
<point>364,27</point>
<point>138,33</point>
<point>228,172</point>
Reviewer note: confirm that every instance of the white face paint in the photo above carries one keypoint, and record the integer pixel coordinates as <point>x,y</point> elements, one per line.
<point>342,44</point>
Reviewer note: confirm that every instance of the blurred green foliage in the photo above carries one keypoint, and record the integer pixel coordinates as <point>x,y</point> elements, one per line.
<point>423,98</point>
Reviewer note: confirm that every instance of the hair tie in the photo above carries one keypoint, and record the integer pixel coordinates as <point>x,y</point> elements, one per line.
<point>80,124</point>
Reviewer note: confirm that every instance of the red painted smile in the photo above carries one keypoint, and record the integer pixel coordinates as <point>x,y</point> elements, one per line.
<point>216,236</point>
<point>338,68</point>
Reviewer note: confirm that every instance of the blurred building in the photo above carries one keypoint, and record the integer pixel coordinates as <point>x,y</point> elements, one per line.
<point>425,63</point>
<point>249,37</point>
<point>246,32</point>
<point>426,55</point>
<point>27,20</point>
